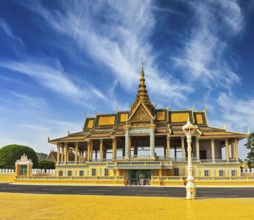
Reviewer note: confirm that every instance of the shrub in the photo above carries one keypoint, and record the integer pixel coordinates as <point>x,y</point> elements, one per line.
<point>46,164</point>
<point>11,153</point>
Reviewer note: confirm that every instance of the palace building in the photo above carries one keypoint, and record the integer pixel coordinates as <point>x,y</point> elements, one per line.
<point>145,145</point>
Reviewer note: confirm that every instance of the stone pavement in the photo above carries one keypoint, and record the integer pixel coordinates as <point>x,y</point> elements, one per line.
<point>16,206</point>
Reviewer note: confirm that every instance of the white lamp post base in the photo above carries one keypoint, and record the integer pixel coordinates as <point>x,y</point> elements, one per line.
<point>190,190</point>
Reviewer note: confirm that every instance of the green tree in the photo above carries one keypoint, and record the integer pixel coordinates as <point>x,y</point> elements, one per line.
<point>46,164</point>
<point>11,153</point>
<point>250,156</point>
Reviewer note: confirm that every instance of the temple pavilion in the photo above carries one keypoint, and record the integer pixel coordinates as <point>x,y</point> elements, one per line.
<point>146,145</point>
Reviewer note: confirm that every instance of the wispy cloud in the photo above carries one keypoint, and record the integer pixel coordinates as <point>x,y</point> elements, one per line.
<point>203,56</point>
<point>55,79</point>
<point>238,113</point>
<point>115,34</point>
<point>8,31</point>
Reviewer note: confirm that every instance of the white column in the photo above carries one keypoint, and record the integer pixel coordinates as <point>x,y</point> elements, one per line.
<point>101,150</point>
<point>62,153</point>
<point>168,147</point>
<point>232,150</point>
<point>88,150</point>
<point>65,152</point>
<point>197,148</point>
<point>58,154</point>
<point>213,150</point>
<point>126,128</point>
<point>227,149</point>
<point>114,146</point>
<point>236,150</point>
<point>183,150</point>
<point>76,153</point>
<point>152,140</point>
<point>91,150</point>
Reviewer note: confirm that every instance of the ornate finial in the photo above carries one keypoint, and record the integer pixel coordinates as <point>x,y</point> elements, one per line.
<point>206,107</point>
<point>48,139</point>
<point>96,113</point>
<point>117,109</point>
<point>248,132</point>
<point>85,115</point>
<point>225,127</point>
<point>168,107</point>
<point>192,108</point>
<point>68,132</point>
<point>142,95</point>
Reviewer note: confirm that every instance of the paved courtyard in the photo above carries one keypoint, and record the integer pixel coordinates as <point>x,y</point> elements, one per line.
<point>15,206</point>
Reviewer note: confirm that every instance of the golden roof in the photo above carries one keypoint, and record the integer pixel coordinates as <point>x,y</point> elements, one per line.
<point>142,94</point>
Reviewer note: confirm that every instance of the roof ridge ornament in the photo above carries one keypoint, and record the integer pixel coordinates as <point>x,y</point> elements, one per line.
<point>142,94</point>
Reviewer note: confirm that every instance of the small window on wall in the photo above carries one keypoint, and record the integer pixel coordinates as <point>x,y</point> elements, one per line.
<point>221,172</point>
<point>206,173</point>
<point>69,173</point>
<point>93,172</point>
<point>106,172</point>
<point>81,173</point>
<point>176,172</point>
<point>233,173</point>
<point>60,173</point>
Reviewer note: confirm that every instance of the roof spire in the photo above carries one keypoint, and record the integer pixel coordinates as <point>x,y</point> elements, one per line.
<point>142,94</point>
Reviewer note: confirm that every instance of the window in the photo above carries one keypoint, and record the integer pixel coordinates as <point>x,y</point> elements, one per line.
<point>81,173</point>
<point>176,172</point>
<point>106,172</point>
<point>60,173</point>
<point>69,173</point>
<point>233,172</point>
<point>206,173</point>
<point>93,172</point>
<point>221,172</point>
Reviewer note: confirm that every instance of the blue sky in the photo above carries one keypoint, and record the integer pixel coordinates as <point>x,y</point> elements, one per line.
<point>60,60</point>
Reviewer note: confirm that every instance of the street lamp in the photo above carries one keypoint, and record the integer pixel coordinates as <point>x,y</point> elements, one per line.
<point>189,129</point>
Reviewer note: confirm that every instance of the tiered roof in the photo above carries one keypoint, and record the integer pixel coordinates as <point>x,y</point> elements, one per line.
<point>166,121</point>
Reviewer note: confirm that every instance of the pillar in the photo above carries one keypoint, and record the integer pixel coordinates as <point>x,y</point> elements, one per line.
<point>236,149</point>
<point>183,150</point>
<point>58,154</point>
<point>227,149</point>
<point>213,151</point>
<point>152,140</point>
<point>101,150</point>
<point>91,150</point>
<point>127,139</point>
<point>129,146</point>
<point>168,147</point>
<point>165,151</point>
<point>76,153</point>
<point>197,148</point>
<point>135,151</point>
<point>114,147</point>
<point>104,153</point>
<point>88,150</point>
<point>62,153</point>
<point>65,152</point>
<point>232,150</point>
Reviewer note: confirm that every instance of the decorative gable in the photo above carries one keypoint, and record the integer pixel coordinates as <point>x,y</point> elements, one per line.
<point>141,113</point>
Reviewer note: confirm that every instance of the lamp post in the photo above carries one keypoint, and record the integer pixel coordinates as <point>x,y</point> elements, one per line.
<point>189,129</point>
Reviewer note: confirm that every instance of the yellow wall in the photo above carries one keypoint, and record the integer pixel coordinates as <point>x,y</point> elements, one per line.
<point>6,178</point>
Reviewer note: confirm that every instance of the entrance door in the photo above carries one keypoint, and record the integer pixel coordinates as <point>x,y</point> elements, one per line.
<point>23,170</point>
<point>139,177</point>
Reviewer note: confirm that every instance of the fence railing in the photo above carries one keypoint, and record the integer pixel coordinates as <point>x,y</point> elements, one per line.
<point>7,171</point>
<point>43,171</point>
<point>247,170</point>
